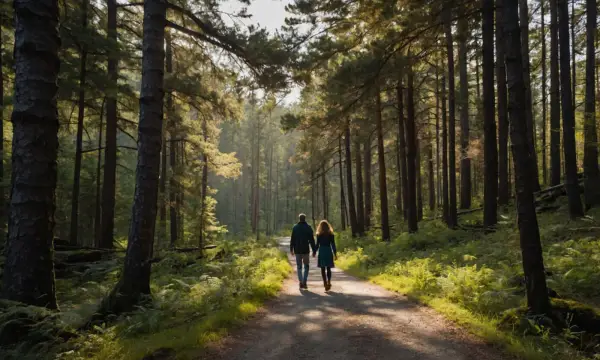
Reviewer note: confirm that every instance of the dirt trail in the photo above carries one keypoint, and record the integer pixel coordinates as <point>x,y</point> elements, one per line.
<point>355,320</point>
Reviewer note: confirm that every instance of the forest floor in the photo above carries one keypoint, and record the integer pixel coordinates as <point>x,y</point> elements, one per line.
<point>355,320</point>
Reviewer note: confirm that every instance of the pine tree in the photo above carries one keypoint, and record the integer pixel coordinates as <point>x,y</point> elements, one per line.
<point>568,114</point>
<point>28,274</point>
<point>490,182</point>
<point>531,248</point>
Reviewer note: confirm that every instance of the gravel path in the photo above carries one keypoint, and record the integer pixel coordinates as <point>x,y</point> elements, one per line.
<point>355,320</point>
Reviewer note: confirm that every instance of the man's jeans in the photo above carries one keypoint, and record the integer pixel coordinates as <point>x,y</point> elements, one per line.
<point>302,259</point>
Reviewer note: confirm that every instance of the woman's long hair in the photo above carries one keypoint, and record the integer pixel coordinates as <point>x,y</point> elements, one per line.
<point>324,228</point>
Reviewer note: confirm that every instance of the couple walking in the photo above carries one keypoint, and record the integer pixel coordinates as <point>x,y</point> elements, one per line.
<point>303,241</point>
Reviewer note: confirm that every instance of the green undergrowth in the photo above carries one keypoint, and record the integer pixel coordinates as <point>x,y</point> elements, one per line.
<point>194,301</point>
<point>476,279</point>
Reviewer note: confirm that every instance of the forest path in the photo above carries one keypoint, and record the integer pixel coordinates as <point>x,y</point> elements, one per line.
<point>355,320</point>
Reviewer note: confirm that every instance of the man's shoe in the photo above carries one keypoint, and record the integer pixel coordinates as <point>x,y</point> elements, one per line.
<point>301,286</point>
<point>305,285</point>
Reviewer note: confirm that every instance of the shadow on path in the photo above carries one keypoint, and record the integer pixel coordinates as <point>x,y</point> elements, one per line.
<point>355,320</point>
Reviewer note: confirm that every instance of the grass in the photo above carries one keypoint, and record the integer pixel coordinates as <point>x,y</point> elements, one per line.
<point>193,303</point>
<point>475,279</point>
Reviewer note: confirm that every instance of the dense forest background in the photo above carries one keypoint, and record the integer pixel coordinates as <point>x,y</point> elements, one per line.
<point>163,132</point>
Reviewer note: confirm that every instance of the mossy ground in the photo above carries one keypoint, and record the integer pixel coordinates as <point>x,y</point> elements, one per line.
<point>475,278</point>
<point>193,302</point>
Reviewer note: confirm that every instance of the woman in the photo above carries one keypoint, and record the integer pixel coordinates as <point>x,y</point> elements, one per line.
<point>327,251</point>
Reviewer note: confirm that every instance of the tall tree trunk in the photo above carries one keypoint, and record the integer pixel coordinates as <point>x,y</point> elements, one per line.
<point>180,204</point>
<point>402,145</point>
<point>503,163</point>
<point>465,161</point>
<point>544,91</point>
<point>574,64</point>
<point>430,175</point>
<point>368,184</point>
<point>2,200</point>
<point>324,191</point>
<point>411,155</point>
<point>342,197</point>
<point>438,175</point>
<point>398,197</point>
<point>351,205</point>
<point>490,154</point>
<point>568,113</point>
<point>110,149</point>
<point>531,247</point>
<point>312,198</point>
<point>73,235</point>
<point>555,163</point>
<point>98,212</point>
<point>204,187</point>
<point>360,205</point>
<point>419,181</point>
<point>445,195</point>
<point>135,278</point>
<point>162,186</point>
<point>257,179</point>
<point>172,125</point>
<point>524,22</point>
<point>590,157</point>
<point>29,267</point>
<point>452,216</point>
<point>383,199</point>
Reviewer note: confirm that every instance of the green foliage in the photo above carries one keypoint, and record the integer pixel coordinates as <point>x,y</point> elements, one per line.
<point>476,279</point>
<point>193,301</point>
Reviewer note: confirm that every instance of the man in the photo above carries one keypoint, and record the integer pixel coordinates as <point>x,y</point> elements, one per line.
<point>302,238</point>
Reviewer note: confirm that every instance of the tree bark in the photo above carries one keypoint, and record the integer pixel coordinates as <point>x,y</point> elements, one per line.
<point>29,267</point>
<point>368,185</point>
<point>490,154</point>
<point>419,180</point>
<point>162,234</point>
<point>524,23</point>
<point>110,150</point>
<point>430,175</point>
<point>360,205</point>
<point>173,150</point>
<point>324,191</point>
<point>438,175</point>
<point>465,161</point>
<point>590,157</point>
<point>568,114</point>
<point>2,200</point>
<point>98,212</point>
<point>555,166</point>
<point>531,247</point>
<point>544,99</point>
<point>135,278</point>
<point>351,205</point>
<point>411,155</point>
<point>342,197</point>
<point>402,146</point>
<point>452,220</point>
<point>383,199</point>
<point>445,195</point>
<point>574,64</point>
<point>503,164</point>
<point>204,187</point>
<point>73,235</point>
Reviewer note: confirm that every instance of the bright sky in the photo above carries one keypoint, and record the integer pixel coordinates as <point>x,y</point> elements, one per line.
<point>267,13</point>
<point>270,14</point>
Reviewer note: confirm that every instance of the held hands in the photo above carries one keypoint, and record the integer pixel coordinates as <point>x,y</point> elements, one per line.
<point>314,254</point>
<point>292,252</point>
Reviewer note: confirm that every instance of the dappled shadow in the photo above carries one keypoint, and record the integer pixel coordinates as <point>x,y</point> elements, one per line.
<point>355,320</point>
